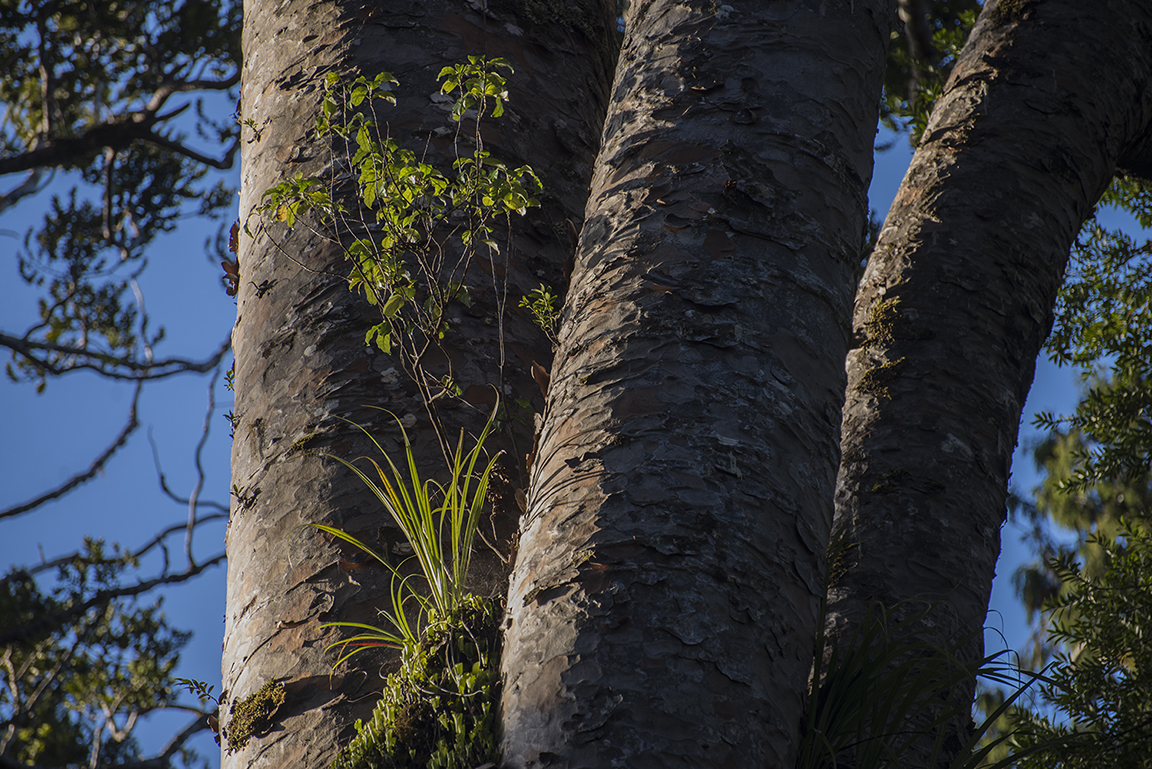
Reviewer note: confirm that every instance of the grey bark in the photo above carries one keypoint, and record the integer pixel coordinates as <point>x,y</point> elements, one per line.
<point>670,569</point>
<point>301,362</point>
<point>957,299</point>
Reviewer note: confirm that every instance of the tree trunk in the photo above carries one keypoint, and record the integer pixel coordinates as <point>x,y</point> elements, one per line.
<point>301,362</point>
<point>957,299</point>
<point>670,570</point>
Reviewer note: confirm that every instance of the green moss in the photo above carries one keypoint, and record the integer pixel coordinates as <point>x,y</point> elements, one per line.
<point>302,445</point>
<point>876,379</point>
<point>882,318</point>
<point>253,715</point>
<point>439,709</point>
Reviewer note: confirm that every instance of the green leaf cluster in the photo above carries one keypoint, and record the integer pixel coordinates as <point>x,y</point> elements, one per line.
<point>478,80</point>
<point>542,303</point>
<point>71,64</point>
<point>73,690</point>
<point>401,240</point>
<point>79,77</point>
<point>1104,326</point>
<point>438,710</point>
<point>1099,695</point>
<point>439,522</point>
<point>913,83</point>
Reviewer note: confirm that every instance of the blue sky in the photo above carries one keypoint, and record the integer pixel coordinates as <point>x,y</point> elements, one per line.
<point>49,437</point>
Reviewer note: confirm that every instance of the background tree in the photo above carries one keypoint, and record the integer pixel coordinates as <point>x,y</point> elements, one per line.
<point>99,99</point>
<point>1086,588</point>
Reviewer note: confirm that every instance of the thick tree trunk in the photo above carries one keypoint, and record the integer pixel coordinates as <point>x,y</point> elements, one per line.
<point>957,299</point>
<point>670,569</point>
<point>301,362</point>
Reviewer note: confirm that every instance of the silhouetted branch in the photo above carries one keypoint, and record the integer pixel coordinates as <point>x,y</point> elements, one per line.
<point>48,622</point>
<point>191,526</point>
<point>76,558</point>
<point>119,133</point>
<point>136,370</point>
<point>30,186</point>
<point>161,761</point>
<point>94,468</point>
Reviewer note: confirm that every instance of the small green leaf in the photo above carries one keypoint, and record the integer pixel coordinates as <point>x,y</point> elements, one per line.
<point>393,305</point>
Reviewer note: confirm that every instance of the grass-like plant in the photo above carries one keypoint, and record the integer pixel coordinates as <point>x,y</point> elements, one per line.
<point>873,697</point>
<point>439,521</point>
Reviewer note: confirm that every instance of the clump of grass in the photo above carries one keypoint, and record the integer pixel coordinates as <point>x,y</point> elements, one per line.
<point>438,709</point>
<point>874,697</point>
<point>439,521</point>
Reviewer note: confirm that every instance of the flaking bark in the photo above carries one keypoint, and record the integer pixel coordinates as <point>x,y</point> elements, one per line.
<point>957,300</point>
<point>670,569</point>
<point>301,361</point>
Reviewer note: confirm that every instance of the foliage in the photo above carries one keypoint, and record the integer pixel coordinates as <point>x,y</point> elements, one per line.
<point>74,692</point>
<point>401,240</point>
<point>427,513</point>
<point>1104,320</point>
<point>1098,698</point>
<point>439,709</point>
<point>1095,466</point>
<point>866,692</point>
<point>1085,515</point>
<point>541,302</point>
<point>921,59</point>
<point>85,89</point>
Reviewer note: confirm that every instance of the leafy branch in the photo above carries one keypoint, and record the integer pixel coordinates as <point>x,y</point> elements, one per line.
<point>416,229</point>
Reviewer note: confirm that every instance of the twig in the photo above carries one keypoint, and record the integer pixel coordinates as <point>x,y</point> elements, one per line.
<point>191,526</point>
<point>136,370</point>
<point>94,468</point>
<point>46,623</point>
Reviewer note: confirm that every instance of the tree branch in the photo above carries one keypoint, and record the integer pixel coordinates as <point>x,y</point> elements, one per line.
<point>31,571</point>
<point>161,761</point>
<point>48,622</point>
<point>119,133</point>
<point>137,371</point>
<point>222,164</point>
<point>95,467</point>
<point>30,186</point>
<point>192,511</point>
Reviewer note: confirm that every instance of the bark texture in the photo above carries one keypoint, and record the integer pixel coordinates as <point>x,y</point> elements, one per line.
<point>671,560</point>
<point>301,362</point>
<point>957,299</point>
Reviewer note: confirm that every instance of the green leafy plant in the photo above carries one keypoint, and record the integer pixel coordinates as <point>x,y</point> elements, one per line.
<point>417,228</point>
<point>542,303</point>
<point>439,522</point>
<point>438,709</point>
<point>1098,695</point>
